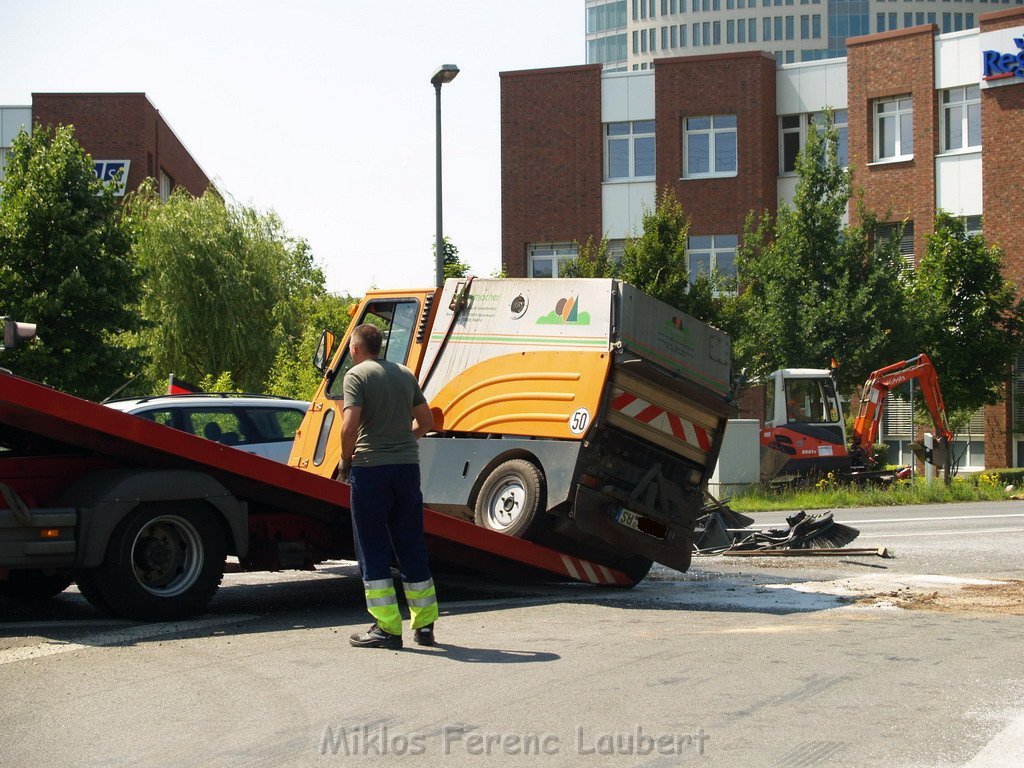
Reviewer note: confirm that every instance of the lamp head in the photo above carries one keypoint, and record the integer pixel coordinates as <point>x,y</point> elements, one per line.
<point>444,74</point>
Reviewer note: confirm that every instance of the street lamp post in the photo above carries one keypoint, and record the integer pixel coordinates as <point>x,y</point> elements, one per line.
<point>444,74</point>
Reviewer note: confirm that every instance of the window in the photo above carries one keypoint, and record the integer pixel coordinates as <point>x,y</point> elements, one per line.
<point>961,118</point>
<point>766,28</point>
<point>546,259</point>
<point>791,140</point>
<point>396,319</point>
<point>792,136</point>
<point>805,27</point>
<point>166,185</point>
<point>894,129</point>
<point>629,150</point>
<point>886,232</point>
<point>840,118</point>
<point>713,255</point>
<point>710,146</point>
<point>730,31</point>
<point>789,27</point>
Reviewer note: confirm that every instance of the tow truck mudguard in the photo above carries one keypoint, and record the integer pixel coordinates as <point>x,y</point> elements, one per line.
<point>594,513</point>
<point>103,499</point>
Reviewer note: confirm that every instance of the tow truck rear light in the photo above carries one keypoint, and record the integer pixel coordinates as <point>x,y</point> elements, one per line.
<point>590,481</point>
<point>49,533</point>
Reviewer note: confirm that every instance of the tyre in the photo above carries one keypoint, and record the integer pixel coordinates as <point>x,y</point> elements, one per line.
<point>511,500</point>
<point>636,567</point>
<point>34,584</point>
<point>163,562</point>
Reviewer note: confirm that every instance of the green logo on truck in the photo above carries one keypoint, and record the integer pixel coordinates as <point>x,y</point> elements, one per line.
<point>566,312</point>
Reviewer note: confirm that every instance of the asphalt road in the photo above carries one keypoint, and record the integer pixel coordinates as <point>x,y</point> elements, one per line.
<point>840,661</point>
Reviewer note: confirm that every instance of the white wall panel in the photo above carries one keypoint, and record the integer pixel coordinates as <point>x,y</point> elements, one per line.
<point>810,86</point>
<point>958,183</point>
<point>11,121</point>
<point>957,59</point>
<point>627,96</point>
<point>622,207</point>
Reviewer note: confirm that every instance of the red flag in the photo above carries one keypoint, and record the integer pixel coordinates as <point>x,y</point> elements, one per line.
<point>176,386</point>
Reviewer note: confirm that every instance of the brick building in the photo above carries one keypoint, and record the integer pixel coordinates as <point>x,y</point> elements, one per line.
<point>119,131</point>
<point>921,121</point>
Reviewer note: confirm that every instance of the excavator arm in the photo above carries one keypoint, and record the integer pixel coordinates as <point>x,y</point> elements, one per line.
<point>880,383</point>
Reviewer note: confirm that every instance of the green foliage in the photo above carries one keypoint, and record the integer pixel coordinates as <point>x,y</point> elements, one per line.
<point>65,265</point>
<point>218,382</point>
<point>844,495</point>
<point>592,260</point>
<point>967,315</point>
<point>814,288</point>
<point>224,287</point>
<point>453,266</point>
<point>655,262</point>
<point>293,374</point>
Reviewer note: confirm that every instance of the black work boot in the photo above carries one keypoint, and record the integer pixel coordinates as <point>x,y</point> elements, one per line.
<point>424,635</point>
<point>375,637</point>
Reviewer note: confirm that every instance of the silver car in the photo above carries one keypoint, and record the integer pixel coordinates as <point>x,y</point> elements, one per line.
<point>263,425</point>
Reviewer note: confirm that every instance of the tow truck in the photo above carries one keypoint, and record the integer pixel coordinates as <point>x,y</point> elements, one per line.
<point>804,430</point>
<point>614,425</point>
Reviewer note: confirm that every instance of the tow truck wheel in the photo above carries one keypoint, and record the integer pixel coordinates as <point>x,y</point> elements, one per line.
<point>163,562</point>
<point>510,500</point>
<point>34,584</point>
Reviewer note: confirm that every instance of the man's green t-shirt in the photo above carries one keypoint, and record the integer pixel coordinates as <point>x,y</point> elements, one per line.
<point>387,393</point>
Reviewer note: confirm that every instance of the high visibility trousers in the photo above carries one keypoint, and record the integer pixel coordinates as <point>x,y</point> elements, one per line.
<point>387,517</point>
<point>382,603</point>
<point>422,599</point>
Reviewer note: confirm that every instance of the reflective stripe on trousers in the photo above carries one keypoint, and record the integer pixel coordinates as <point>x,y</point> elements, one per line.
<point>382,603</point>
<point>422,599</point>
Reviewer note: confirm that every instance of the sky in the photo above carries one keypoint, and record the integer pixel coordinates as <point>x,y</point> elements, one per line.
<point>321,111</point>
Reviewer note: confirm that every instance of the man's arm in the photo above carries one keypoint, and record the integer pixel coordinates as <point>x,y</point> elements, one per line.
<point>349,432</point>
<point>422,419</point>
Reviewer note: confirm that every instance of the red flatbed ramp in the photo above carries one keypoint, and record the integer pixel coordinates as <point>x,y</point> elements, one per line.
<point>29,411</point>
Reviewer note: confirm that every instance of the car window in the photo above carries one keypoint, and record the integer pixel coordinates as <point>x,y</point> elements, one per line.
<point>160,417</point>
<point>222,425</point>
<point>276,424</point>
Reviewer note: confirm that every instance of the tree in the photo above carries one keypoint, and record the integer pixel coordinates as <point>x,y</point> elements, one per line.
<point>655,261</point>
<point>814,289</point>
<point>453,267</point>
<point>293,374</point>
<point>65,265</point>
<point>224,287</point>
<point>967,313</point>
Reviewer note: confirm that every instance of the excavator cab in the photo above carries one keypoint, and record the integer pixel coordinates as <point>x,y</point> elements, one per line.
<point>803,430</point>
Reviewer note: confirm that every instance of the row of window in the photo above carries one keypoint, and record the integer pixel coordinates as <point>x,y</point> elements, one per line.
<point>706,255</point>
<point>736,31</point>
<point>951,22</point>
<point>710,141</point>
<point>644,9</point>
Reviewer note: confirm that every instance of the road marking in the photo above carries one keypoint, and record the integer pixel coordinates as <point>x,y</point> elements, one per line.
<point>961,532</point>
<point>928,519</point>
<point>79,623</point>
<point>1007,748</point>
<point>107,639</point>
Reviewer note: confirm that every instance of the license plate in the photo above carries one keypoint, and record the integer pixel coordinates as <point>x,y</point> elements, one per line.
<point>628,519</point>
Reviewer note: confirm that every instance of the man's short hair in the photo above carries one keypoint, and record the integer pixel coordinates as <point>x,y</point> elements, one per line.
<point>368,337</point>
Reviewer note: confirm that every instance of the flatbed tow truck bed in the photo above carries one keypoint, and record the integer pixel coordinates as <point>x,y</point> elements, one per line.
<point>280,516</point>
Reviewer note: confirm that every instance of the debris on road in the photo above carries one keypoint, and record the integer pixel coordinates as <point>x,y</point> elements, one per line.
<point>724,532</point>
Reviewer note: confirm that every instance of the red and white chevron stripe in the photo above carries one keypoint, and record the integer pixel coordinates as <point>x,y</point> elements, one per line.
<point>657,417</point>
<point>584,570</point>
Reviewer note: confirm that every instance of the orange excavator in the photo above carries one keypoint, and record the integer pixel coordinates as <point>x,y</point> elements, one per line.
<point>872,402</point>
<point>804,432</point>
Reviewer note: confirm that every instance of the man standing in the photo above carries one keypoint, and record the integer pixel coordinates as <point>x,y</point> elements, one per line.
<point>385,413</point>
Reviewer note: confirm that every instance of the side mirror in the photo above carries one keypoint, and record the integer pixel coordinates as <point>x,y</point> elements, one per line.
<point>322,356</point>
<point>16,333</point>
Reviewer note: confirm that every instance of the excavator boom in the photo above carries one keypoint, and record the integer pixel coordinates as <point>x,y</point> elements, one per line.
<point>880,383</point>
